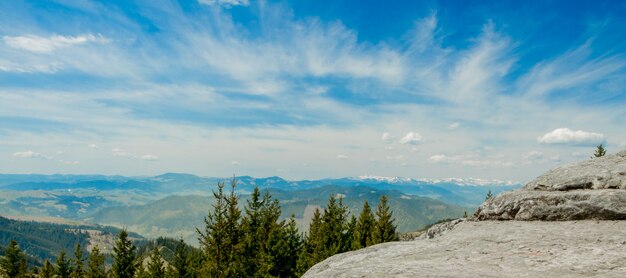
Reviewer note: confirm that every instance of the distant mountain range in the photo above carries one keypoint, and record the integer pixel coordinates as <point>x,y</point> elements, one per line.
<point>174,204</point>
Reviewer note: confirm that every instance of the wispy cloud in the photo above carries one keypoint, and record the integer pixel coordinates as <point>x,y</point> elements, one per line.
<point>146,79</point>
<point>149,157</point>
<point>31,154</point>
<point>40,44</point>
<point>226,3</point>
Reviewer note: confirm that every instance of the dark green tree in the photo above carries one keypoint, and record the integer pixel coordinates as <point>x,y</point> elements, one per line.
<point>489,195</point>
<point>221,240</point>
<point>124,257</point>
<point>156,269</point>
<point>600,151</point>
<point>47,270</point>
<point>363,229</point>
<point>77,270</point>
<point>181,261</point>
<point>14,262</point>
<point>251,227</point>
<point>64,268</point>
<point>234,266</point>
<point>384,228</point>
<point>311,250</point>
<point>293,247</point>
<point>214,238</point>
<point>334,228</point>
<point>96,267</point>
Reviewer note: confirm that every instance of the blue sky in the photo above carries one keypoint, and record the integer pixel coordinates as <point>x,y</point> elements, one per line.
<point>310,89</point>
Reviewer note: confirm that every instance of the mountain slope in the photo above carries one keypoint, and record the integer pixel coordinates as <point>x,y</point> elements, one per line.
<point>180,215</point>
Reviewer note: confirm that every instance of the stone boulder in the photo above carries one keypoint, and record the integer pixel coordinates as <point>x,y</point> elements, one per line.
<point>608,172</point>
<point>590,189</point>
<point>602,204</point>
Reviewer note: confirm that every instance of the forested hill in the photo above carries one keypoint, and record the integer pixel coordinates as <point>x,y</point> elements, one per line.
<point>42,241</point>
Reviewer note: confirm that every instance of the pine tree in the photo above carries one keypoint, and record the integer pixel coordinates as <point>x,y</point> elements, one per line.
<point>384,229</point>
<point>274,255</point>
<point>96,264</point>
<point>312,247</point>
<point>349,234</point>
<point>251,226</point>
<point>489,195</point>
<point>214,238</point>
<point>141,272</point>
<point>221,240</point>
<point>63,266</point>
<point>47,271</point>
<point>334,228</point>
<point>78,271</point>
<point>600,151</point>
<point>181,262</point>
<point>234,266</point>
<point>364,226</point>
<point>294,245</point>
<point>124,260</point>
<point>155,265</point>
<point>14,262</point>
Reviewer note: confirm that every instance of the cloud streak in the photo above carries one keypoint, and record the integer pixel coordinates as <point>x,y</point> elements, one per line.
<point>40,44</point>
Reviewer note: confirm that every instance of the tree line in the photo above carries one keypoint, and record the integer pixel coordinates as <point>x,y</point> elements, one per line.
<point>252,242</point>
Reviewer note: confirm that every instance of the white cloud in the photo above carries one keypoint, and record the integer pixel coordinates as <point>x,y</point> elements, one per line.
<point>149,157</point>
<point>30,154</point>
<point>411,138</point>
<point>341,156</point>
<point>120,152</point>
<point>438,158</point>
<point>69,162</point>
<point>93,146</point>
<point>454,126</point>
<point>567,136</point>
<point>533,155</point>
<point>235,163</point>
<point>395,157</point>
<point>40,44</point>
<point>386,137</point>
<point>226,3</point>
<point>487,163</point>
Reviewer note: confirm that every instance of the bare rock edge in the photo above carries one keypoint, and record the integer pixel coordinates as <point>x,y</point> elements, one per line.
<point>579,233</point>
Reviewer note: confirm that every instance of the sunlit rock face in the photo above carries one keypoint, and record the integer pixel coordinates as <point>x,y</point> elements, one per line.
<point>591,189</point>
<point>569,230</point>
<point>493,249</point>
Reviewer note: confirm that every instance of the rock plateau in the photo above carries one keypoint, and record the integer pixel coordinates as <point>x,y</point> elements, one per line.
<point>579,233</point>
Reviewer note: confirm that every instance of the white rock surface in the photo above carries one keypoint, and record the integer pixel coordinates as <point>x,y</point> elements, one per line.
<point>494,249</point>
<point>598,173</point>
<point>599,204</point>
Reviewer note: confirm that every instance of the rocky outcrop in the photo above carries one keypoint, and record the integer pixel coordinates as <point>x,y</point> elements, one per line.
<point>591,189</point>
<point>560,246</point>
<point>493,249</point>
<point>599,173</point>
<point>603,204</point>
<point>441,228</point>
